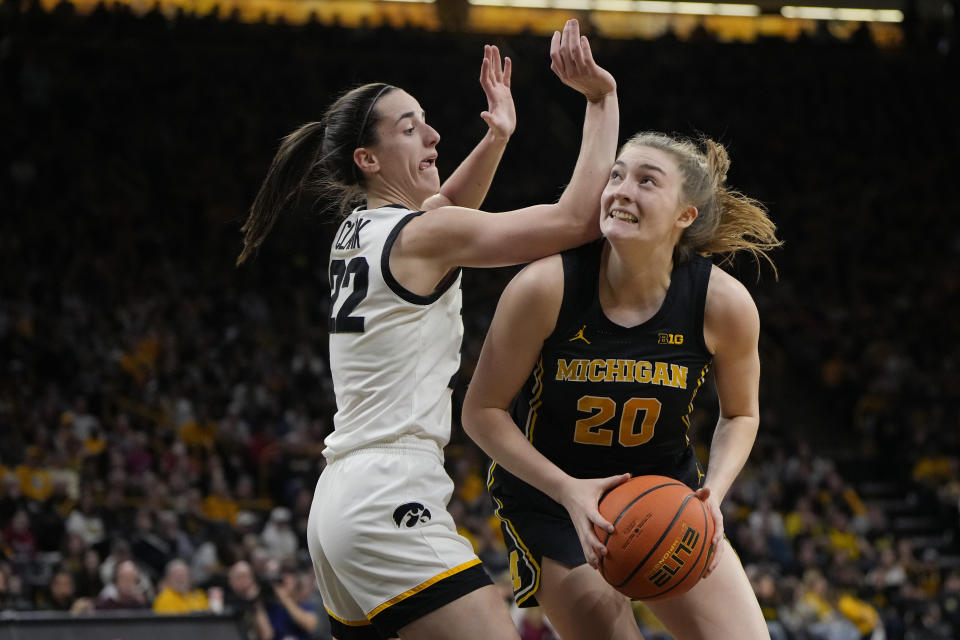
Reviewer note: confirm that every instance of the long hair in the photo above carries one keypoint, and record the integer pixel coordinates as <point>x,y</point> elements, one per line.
<point>316,161</point>
<point>727,221</point>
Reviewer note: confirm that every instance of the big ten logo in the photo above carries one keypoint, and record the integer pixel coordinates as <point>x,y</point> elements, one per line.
<point>669,338</point>
<point>676,556</point>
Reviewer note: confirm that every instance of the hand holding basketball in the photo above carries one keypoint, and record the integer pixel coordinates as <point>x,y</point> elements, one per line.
<point>662,540</point>
<point>705,496</point>
<point>580,498</point>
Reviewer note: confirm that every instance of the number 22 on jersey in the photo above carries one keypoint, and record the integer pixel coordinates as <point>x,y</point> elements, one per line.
<point>353,275</point>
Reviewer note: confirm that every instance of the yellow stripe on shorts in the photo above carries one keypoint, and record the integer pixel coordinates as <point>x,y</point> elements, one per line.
<point>349,623</point>
<point>423,585</point>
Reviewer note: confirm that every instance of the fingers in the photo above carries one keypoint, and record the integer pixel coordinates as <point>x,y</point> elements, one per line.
<point>486,67</point>
<point>615,481</point>
<point>565,53</point>
<point>600,521</point>
<point>586,50</point>
<point>571,41</point>
<point>718,540</point>
<point>715,560</point>
<point>493,71</point>
<point>593,550</point>
<point>556,62</point>
<point>570,52</point>
<point>496,65</point>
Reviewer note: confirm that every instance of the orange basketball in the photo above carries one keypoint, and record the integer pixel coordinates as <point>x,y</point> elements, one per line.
<point>661,542</point>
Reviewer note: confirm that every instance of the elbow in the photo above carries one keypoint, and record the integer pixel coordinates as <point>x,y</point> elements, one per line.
<point>471,417</point>
<point>580,217</point>
<point>468,417</point>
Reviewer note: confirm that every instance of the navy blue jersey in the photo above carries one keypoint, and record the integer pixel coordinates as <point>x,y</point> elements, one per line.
<point>605,399</point>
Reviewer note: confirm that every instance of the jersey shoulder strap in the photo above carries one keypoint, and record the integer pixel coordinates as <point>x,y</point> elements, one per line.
<point>581,268</point>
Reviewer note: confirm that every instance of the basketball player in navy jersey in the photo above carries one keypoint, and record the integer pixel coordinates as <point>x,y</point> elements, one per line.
<point>604,348</point>
<point>388,558</point>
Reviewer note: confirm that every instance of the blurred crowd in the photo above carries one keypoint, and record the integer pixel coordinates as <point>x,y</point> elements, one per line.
<point>162,412</point>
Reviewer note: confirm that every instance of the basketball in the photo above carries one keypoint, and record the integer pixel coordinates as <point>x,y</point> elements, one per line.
<point>661,540</point>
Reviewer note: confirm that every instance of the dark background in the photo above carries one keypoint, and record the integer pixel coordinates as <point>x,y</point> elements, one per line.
<point>131,147</point>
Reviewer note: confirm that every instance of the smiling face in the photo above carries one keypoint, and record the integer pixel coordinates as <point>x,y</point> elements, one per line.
<point>642,199</point>
<point>402,162</point>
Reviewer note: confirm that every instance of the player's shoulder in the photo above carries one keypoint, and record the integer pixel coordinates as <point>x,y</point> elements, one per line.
<point>730,309</point>
<point>726,292</point>
<point>541,277</point>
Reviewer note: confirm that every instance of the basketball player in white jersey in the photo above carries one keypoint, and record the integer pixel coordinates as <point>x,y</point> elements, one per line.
<point>388,558</point>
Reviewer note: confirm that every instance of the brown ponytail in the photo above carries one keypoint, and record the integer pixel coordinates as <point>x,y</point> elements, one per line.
<point>316,160</point>
<point>287,179</point>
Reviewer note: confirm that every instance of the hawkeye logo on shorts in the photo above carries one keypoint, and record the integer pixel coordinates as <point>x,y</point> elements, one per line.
<point>411,514</point>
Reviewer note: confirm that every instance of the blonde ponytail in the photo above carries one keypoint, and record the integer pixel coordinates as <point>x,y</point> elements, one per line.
<point>728,221</point>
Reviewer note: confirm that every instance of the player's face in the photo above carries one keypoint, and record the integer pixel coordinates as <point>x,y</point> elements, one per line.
<point>406,149</point>
<point>642,199</point>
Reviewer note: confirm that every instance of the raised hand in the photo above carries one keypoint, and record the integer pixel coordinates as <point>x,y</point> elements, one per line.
<point>500,115</point>
<point>580,499</point>
<point>572,60</point>
<point>718,539</point>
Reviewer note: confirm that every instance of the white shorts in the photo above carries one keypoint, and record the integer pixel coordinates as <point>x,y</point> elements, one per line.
<point>384,548</point>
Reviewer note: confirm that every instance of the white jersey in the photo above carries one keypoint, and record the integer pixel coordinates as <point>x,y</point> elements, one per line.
<point>393,353</point>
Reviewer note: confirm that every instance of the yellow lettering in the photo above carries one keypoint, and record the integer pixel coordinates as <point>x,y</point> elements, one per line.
<point>661,375</point>
<point>615,370</point>
<point>626,368</point>
<point>642,371</point>
<point>678,375</point>
<point>596,375</point>
<point>564,369</point>
<point>574,370</point>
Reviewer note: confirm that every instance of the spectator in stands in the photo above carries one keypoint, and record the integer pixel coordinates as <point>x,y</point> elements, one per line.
<point>278,537</point>
<point>245,596</point>
<point>125,591</point>
<point>61,595</point>
<point>149,548</point>
<point>826,622</point>
<point>21,546</point>
<point>12,500</point>
<point>85,520</point>
<point>87,575</point>
<point>931,625</point>
<point>220,506</point>
<point>889,573</point>
<point>178,595</point>
<point>291,615</point>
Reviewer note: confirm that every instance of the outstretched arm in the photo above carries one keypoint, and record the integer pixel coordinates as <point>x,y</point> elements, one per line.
<point>468,185</point>
<point>450,237</point>
<point>525,316</point>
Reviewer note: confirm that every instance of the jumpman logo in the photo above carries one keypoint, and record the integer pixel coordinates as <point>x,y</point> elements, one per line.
<point>580,335</point>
